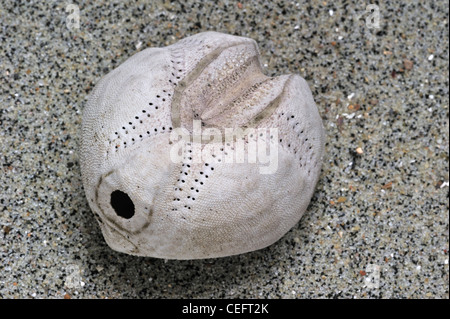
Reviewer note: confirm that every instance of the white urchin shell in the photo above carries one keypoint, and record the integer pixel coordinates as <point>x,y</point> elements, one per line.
<point>149,205</point>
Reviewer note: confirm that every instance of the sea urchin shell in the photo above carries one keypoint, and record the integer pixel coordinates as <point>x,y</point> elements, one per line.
<point>174,150</point>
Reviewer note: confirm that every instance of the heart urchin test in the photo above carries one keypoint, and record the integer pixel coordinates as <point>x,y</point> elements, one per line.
<point>190,151</point>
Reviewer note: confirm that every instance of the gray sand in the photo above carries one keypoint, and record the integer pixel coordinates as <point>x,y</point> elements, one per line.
<point>377,226</point>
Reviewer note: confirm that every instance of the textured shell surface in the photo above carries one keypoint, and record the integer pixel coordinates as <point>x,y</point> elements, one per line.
<point>149,181</point>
